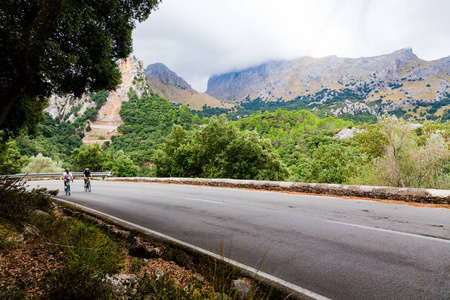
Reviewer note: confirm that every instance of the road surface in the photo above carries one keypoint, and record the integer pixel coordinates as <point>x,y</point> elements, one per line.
<point>337,248</point>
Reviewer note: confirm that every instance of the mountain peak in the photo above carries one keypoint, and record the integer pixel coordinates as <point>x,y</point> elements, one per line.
<point>161,73</point>
<point>403,56</point>
<point>157,68</point>
<point>405,51</point>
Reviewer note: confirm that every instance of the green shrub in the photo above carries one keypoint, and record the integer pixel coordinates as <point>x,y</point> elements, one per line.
<point>89,254</point>
<point>145,172</point>
<point>163,287</point>
<point>17,204</point>
<point>75,282</point>
<point>42,164</point>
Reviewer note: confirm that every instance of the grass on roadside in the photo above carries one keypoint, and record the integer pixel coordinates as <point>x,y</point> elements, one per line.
<point>82,255</point>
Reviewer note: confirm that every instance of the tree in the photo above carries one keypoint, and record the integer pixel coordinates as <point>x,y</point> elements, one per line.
<point>331,163</point>
<point>399,137</point>
<point>120,164</point>
<point>60,46</point>
<point>97,160</point>
<point>218,150</point>
<point>42,164</point>
<point>91,157</point>
<point>11,161</point>
<point>409,161</point>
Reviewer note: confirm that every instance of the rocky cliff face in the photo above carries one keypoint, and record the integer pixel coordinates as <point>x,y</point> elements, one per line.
<point>69,108</point>
<point>169,85</point>
<point>399,78</point>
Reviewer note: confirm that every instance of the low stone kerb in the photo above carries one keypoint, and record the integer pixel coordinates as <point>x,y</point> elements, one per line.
<point>375,192</point>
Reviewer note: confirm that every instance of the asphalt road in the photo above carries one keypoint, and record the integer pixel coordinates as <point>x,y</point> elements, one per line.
<point>337,248</point>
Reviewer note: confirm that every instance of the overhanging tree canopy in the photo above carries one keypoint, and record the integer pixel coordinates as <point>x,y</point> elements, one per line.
<point>60,46</point>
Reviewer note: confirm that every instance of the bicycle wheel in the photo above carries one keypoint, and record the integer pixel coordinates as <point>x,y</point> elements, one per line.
<point>89,187</point>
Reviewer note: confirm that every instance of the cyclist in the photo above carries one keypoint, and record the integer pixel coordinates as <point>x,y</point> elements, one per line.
<point>67,176</point>
<point>87,174</point>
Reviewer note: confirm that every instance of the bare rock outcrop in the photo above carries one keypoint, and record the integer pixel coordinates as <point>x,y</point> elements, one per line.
<point>398,77</point>
<point>69,108</point>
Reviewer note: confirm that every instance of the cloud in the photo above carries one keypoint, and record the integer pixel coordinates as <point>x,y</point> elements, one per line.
<point>200,38</point>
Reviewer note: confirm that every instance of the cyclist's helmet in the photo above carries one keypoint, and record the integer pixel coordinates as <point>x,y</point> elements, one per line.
<point>67,169</point>
<point>87,169</point>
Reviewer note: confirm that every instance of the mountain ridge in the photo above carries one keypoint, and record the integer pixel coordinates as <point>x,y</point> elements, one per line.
<point>307,75</point>
<point>169,85</point>
<point>384,83</point>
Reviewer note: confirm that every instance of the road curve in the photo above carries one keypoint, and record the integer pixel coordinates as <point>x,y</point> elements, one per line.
<point>337,248</point>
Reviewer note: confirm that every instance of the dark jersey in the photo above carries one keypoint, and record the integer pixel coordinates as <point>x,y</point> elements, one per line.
<point>87,173</point>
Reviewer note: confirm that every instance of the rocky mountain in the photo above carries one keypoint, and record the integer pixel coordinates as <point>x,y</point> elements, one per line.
<point>68,108</point>
<point>168,84</point>
<point>399,80</point>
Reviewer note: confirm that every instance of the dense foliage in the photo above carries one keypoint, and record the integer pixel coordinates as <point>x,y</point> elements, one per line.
<point>42,164</point>
<point>56,138</point>
<point>407,157</point>
<point>11,161</point>
<point>320,103</point>
<point>159,138</point>
<point>390,152</point>
<point>17,204</point>
<point>60,47</point>
<point>218,150</point>
<point>147,122</point>
<point>98,160</point>
<point>304,143</point>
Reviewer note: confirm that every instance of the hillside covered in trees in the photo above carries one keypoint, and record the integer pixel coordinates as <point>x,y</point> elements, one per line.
<point>159,138</point>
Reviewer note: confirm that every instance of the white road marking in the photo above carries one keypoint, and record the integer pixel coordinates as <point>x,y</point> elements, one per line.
<point>205,200</point>
<point>254,271</point>
<point>436,239</point>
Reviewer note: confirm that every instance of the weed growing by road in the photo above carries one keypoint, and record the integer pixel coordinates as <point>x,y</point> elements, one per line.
<point>50,255</point>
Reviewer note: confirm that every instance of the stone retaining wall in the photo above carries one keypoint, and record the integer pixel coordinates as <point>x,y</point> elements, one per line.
<point>375,192</point>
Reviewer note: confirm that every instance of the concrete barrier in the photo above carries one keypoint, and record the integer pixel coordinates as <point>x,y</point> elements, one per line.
<point>374,192</point>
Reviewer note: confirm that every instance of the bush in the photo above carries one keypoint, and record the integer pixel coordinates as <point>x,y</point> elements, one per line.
<point>76,282</point>
<point>219,150</point>
<point>89,254</point>
<point>17,204</point>
<point>11,161</point>
<point>42,164</point>
<point>145,172</point>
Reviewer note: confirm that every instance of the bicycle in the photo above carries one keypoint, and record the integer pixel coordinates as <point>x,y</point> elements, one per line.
<point>87,186</point>
<point>67,189</point>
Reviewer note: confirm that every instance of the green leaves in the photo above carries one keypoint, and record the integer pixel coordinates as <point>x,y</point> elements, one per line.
<point>218,150</point>
<point>91,157</point>
<point>42,164</point>
<point>148,122</point>
<point>60,47</point>
<point>11,161</point>
<point>409,160</point>
<point>98,160</point>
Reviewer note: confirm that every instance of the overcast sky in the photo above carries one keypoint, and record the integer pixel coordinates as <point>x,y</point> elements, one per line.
<point>200,38</point>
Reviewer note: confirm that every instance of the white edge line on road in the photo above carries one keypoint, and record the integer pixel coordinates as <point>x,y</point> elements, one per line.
<point>436,239</point>
<point>264,275</point>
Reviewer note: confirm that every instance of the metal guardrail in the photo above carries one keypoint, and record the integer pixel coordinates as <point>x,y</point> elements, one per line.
<point>53,175</point>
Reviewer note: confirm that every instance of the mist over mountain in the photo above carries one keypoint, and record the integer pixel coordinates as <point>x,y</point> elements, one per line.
<point>397,82</point>
<point>287,80</point>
